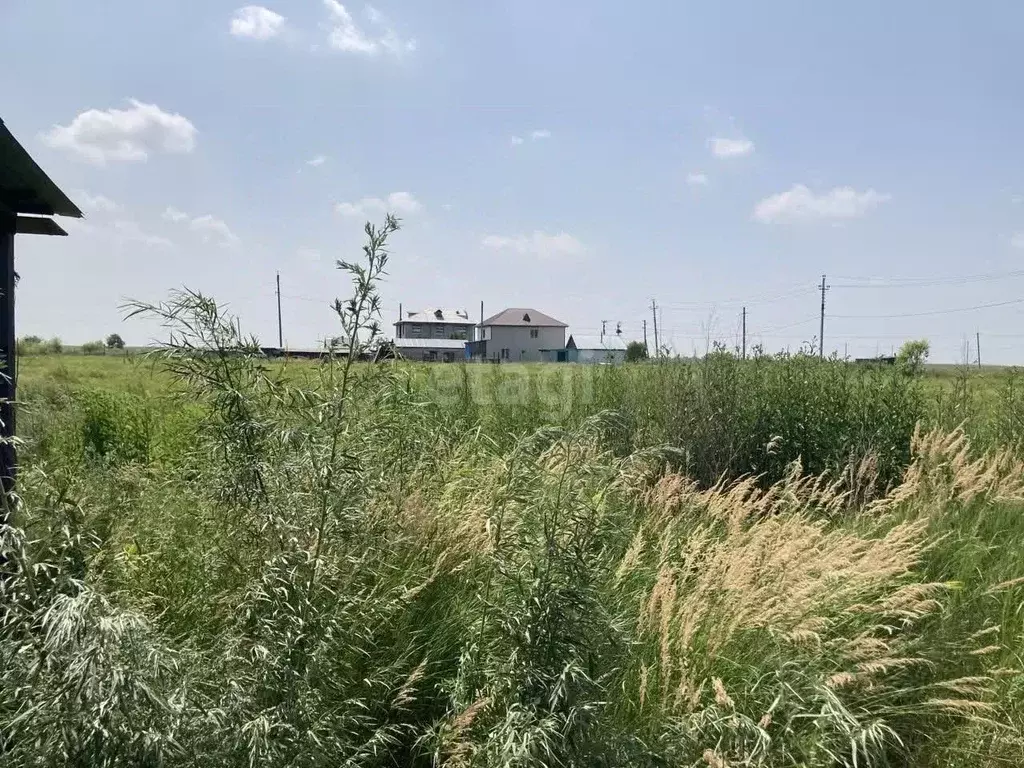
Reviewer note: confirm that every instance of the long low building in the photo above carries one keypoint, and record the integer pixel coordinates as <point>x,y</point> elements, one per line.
<point>431,350</point>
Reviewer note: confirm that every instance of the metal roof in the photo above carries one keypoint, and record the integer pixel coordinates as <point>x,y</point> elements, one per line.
<point>24,187</point>
<point>524,317</point>
<point>438,315</point>
<point>610,343</point>
<point>430,344</point>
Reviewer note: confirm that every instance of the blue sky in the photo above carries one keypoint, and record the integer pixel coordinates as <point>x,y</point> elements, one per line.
<point>577,157</point>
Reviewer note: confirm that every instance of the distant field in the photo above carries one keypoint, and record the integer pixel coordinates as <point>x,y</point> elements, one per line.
<point>712,562</point>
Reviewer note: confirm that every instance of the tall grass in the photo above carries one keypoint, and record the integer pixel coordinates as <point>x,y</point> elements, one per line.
<point>360,566</point>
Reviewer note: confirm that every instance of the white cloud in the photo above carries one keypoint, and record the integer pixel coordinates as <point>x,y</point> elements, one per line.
<point>697,179</point>
<point>538,134</point>
<point>131,232</point>
<point>208,227</point>
<point>317,161</point>
<point>1017,199</point>
<point>345,35</point>
<point>90,203</point>
<point>1017,240</point>
<point>173,214</point>
<point>721,147</point>
<point>538,244</point>
<point>128,135</point>
<point>799,202</point>
<point>212,229</point>
<point>256,22</point>
<point>396,202</point>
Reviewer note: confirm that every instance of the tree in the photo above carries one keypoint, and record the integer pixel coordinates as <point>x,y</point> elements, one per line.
<point>913,354</point>
<point>114,341</point>
<point>636,351</point>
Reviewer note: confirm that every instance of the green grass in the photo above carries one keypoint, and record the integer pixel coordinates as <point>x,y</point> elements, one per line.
<point>222,560</point>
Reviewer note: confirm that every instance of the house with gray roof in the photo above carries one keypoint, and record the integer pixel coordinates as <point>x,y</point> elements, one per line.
<point>517,334</point>
<point>433,334</point>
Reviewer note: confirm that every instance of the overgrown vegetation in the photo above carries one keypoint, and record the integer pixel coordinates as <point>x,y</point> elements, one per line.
<point>763,562</point>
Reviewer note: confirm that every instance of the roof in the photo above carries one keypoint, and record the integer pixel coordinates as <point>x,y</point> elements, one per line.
<point>523,317</point>
<point>24,187</point>
<point>429,344</point>
<point>438,315</point>
<point>611,342</point>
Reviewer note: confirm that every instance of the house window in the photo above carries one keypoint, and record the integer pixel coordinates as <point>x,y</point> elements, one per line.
<point>504,354</point>
<point>534,333</point>
<point>416,330</point>
<point>438,331</point>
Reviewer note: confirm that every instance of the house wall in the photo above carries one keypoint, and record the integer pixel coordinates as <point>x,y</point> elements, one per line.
<point>612,356</point>
<point>520,345</point>
<point>413,330</point>
<point>429,354</point>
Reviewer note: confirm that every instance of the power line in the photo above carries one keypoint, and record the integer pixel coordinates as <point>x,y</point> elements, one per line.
<point>932,312</point>
<point>701,305</point>
<point>788,325</point>
<point>914,282</point>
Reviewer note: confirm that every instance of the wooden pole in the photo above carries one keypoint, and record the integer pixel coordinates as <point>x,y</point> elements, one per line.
<point>654,313</point>
<point>280,328</point>
<point>821,332</point>
<point>744,333</point>
<point>8,351</point>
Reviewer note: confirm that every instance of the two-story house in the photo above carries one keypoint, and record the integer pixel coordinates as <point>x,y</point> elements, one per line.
<point>433,334</point>
<point>516,335</point>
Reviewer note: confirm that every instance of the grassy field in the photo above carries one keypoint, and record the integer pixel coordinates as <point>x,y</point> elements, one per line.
<point>218,560</point>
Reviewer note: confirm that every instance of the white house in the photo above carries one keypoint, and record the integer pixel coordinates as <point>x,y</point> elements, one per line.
<point>433,334</point>
<point>517,335</point>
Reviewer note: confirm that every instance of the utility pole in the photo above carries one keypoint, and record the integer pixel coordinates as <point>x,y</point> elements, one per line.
<point>654,312</point>
<point>821,333</point>
<point>398,328</point>
<point>280,328</point>
<point>603,323</point>
<point>977,347</point>
<point>744,333</point>
<point>645,334</point>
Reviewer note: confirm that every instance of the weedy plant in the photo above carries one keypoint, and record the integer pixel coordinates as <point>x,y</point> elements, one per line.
<point>725,563</point>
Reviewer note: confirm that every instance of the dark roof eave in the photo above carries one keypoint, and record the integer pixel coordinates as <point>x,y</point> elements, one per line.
<point>25,187</point>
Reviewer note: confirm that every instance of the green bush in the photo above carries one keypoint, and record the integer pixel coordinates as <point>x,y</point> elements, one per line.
<point>115,427</point>
<point>93,348</point>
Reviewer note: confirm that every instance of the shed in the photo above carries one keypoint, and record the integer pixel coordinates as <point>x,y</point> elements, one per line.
<point>27,199</point>
<point>608,349</point>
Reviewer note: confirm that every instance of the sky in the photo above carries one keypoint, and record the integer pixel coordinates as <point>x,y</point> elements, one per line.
<point>583,158</point>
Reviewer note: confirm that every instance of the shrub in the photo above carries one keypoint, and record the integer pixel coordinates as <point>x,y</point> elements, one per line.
<point>115,427</point>
<point>93,348</point>
<point>913,355</point>
<point>114,341</point>
<point>636,351</point>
